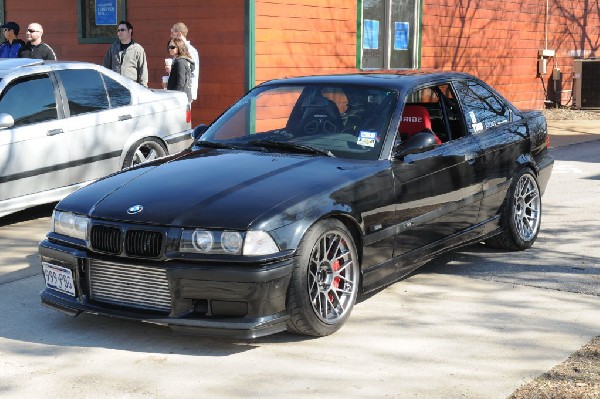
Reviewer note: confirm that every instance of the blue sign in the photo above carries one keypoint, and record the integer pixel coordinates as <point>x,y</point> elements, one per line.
<point>401,35</point>
<point>106,12</point>
<point>371,34</point>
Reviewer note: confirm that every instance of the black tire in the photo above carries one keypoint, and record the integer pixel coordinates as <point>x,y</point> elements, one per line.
<point>144,150</point>
<point>521,214</point>
<point>325,281</point>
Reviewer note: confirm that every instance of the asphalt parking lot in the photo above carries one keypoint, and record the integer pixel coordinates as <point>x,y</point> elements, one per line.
<point>476,323</point>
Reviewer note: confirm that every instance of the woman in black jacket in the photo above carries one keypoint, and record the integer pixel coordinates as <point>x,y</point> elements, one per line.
<point>180,77</point>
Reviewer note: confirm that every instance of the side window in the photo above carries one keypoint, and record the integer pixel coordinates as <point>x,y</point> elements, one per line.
<point>481,108</point>
<point>31,100</point>
<point>85,90</point>
<point>435,108</point>
<point>118,94</point>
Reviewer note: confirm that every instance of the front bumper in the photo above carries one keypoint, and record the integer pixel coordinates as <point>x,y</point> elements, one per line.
<point>242,301</point>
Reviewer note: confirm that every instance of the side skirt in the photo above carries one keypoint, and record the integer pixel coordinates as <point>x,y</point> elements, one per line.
<point>388,272</point>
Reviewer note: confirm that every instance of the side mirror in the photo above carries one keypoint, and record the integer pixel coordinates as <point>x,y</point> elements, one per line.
<point>198,131</point>
<point>6,121</point>
<point>420,142</point>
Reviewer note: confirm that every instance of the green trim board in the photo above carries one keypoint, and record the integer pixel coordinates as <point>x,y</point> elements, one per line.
<point>250,34</point>
<point>2,12</point>
<point>359,28</point>
<point>250,56</point>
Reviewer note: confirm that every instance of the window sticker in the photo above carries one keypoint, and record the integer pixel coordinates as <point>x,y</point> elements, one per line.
<point>477,127</point>
<point>371,35</point>
<point>473,117</point>
<point>367,139</point>
<point>401,35</point>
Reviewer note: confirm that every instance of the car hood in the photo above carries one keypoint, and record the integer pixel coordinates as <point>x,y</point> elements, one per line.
<point>214,188</point>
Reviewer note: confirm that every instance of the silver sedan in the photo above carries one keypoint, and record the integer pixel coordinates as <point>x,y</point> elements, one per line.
<point>66,124</point>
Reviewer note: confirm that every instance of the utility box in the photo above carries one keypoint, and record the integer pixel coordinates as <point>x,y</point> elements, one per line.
<point>586,83</point>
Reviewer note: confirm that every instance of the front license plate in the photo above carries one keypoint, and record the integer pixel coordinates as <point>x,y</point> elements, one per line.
<point>59,278</point>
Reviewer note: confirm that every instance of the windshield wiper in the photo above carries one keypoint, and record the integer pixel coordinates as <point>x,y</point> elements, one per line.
<point>286,145</point>
<point>214,144</point>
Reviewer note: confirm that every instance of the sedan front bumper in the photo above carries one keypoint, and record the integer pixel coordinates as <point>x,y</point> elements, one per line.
<point>242,301</point>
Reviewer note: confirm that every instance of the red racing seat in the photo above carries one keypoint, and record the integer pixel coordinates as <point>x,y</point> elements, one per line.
<point>415,119</point>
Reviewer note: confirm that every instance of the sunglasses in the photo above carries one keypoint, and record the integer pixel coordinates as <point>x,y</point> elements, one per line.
<point>172,47</point>
<point>32,30</point>
<point>121,30</point>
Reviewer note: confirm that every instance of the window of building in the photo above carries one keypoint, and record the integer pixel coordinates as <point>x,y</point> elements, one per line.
<point>98,20</point>
<point>390,34</point>
<point>30,100</point>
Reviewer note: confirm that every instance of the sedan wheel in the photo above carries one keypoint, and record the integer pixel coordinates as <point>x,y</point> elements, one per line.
<point>522,214</point>
<point>325,281</point>
<point>144,150</point>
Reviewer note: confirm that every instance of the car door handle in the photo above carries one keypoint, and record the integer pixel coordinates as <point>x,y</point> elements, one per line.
<point>470,158</point>
<point>124,117</point>
<point>54,132</point>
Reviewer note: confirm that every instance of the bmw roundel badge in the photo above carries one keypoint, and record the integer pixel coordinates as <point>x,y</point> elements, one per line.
<point>135,209</point>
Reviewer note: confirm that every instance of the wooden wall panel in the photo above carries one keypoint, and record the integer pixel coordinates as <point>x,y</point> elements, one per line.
<point>298,37</point>
<point>217,30</point>
<point>499,42</point>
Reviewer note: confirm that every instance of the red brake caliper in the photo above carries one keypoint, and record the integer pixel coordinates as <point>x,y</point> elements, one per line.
<point>336,280</point>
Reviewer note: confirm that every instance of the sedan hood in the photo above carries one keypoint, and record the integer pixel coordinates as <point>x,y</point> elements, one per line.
<point>213,188</point>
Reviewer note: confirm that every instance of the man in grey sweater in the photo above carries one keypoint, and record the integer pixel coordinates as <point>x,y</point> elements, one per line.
<point>126,56</point>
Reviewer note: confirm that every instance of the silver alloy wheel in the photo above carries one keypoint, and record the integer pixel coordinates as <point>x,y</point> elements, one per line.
<point>333,277</point>
<point>526,207</point>
<point>147,151</point>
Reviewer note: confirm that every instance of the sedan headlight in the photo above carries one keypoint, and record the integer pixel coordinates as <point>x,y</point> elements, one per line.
<point>227,242</point>
<point>70,224</point>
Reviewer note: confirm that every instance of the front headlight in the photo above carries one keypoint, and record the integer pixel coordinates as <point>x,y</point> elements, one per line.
<point>227,242</point>
<point>70,224</point>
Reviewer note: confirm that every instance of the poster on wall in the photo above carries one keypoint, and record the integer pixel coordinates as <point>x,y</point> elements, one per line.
<point>106,12</point>
<point>371,34</point>
<point>401,36</point>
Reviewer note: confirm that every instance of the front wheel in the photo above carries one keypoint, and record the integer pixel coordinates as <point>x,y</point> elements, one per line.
<point>144,150</point>
<point>522,214</point>
<point>325,281</point>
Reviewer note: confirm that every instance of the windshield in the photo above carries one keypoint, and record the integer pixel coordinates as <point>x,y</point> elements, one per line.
<point>346,121</point>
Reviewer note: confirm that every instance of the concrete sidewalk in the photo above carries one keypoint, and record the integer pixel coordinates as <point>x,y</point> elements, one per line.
<point>566,132</point>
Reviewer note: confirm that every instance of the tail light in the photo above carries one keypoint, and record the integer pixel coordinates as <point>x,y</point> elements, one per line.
<point>188,114</point>
<point>547,141</point>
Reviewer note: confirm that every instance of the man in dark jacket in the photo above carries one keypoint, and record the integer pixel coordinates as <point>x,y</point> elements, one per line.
<point>11,46</point>
<point>34,48</point>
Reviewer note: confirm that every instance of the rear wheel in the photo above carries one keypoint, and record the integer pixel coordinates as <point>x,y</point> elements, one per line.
<point>325,281</point>
<point>144,150</point>
<point>522,214</point>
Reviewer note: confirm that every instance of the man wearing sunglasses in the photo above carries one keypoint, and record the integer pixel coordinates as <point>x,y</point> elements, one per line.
<point>127,57</point>
<point>35,48</point>
<point>11,46</point>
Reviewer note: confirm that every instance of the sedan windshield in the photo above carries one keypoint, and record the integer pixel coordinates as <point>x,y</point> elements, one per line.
<point>344,121</point>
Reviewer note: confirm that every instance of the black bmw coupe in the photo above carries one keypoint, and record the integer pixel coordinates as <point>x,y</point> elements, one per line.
<point>305,194</point>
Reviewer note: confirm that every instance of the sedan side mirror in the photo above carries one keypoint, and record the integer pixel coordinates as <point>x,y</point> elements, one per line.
<point>199,131</point>
<point>420,142</point>
<point>6,121</point>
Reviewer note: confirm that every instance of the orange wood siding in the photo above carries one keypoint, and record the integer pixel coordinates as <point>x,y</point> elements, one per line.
<point>302,37</point>
<point>216,29</point>
<point>495,40</point>
<point>499,42</point>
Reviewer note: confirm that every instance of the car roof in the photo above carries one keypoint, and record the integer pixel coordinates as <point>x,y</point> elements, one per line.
<point>12,65</point>
<point>399,79</point>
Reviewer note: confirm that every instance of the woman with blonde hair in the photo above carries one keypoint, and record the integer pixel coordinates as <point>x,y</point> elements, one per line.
<point>180,76</point>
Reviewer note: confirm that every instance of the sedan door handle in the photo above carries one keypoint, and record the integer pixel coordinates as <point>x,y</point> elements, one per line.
<point>54,132</point>
<point>124,117</point>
